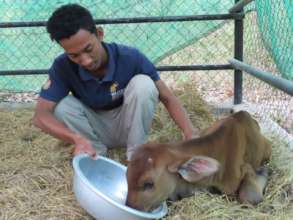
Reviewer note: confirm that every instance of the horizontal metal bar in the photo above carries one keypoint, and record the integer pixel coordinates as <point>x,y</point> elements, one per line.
<point>239,6</point>
<point>195,67</point>
<point>23,72</point>
<point>171,18</point>
<point>278,82</point>
<point>159,68</point>
<point>135,20</point>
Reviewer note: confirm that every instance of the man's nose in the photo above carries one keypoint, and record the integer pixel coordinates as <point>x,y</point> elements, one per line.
<point>85,59</point>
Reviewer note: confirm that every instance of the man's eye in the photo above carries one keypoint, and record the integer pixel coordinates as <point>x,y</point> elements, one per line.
<point>148,185</point>
<point>88,50</point>
<point>73,56</point>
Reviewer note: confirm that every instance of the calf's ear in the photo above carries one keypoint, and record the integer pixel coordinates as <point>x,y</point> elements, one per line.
<point>197,168</point>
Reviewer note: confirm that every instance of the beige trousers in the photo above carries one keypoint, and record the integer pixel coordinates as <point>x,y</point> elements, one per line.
<point>125,126</point>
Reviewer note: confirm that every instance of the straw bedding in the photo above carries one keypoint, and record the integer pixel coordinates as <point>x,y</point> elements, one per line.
<point>36,172</point>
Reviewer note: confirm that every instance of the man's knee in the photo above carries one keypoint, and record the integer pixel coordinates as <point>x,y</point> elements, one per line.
<point>67,106</point>
<point>142,86</point>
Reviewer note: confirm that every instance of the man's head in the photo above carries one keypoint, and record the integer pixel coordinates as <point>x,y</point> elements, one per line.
<point>73,27</point>
<point>68,20</point>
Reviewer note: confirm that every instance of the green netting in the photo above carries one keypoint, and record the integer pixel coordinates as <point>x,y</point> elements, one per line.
<point>31,48</point>
<point>169,36</point>
<point>275,19</point>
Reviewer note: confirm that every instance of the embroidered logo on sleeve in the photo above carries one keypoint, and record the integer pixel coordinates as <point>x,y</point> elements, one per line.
<point>47,84</point>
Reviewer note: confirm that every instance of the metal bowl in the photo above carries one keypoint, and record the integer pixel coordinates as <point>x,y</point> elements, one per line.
<point>100,187</point>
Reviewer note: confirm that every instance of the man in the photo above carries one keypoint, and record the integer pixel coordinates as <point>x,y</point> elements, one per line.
<point>100,95</point>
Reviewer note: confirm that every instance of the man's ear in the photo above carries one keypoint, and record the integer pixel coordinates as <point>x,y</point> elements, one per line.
<point>100,33</point>
<point>197,168</point>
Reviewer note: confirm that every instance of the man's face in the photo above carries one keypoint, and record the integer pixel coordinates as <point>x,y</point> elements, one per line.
<point>85,49</point>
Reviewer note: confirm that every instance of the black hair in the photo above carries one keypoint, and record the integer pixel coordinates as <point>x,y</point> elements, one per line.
<point>68,20</point>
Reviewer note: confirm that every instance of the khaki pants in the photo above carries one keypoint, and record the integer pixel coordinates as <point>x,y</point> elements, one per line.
<point>127,125</point>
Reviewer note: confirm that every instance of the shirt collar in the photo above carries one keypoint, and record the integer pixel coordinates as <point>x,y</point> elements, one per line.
<point>85,75</point>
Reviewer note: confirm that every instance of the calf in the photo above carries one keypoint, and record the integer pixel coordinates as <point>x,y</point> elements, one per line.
<point>227,156</point>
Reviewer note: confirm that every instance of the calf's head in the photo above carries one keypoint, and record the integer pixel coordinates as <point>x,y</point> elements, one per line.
<point>158,171</point>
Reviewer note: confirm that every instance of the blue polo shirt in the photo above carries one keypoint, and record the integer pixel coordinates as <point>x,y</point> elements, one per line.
<point>67,77</point>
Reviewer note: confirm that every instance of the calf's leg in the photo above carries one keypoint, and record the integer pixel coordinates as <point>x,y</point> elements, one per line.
<point>252,186</point>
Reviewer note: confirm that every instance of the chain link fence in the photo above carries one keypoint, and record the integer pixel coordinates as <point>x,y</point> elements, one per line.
<point>267,45</point>
<point>31,48</point>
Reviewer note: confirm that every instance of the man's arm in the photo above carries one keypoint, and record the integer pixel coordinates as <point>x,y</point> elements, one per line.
<point>46,121</point>
<point>176,110</point>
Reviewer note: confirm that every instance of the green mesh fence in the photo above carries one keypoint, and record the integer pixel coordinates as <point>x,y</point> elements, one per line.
<point>30,48</point>
<point>268,46</point>
<point>275,19</point>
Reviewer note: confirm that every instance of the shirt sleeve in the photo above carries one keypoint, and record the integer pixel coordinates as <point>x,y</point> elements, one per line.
<point>145,66</point>
<point>55,88</point>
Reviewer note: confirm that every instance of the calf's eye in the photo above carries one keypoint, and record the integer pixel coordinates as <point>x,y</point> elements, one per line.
<point>148,185</point>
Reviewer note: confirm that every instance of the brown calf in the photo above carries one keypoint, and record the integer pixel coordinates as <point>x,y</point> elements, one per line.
<point>227,156</point>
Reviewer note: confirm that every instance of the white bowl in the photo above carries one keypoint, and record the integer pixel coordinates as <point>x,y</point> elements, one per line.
<point>100,187</point>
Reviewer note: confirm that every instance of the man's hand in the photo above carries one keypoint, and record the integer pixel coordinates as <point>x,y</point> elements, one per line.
<point>82,145</point>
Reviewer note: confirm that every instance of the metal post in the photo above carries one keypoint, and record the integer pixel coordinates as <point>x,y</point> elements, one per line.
<point>238,54</point>
<point>239,5</point>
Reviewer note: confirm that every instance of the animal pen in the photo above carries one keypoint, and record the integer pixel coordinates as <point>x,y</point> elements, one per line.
<point>215,55</point>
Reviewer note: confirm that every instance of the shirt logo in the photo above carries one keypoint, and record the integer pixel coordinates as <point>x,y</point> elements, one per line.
<point>113,87</point>
<point>116,94</point>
